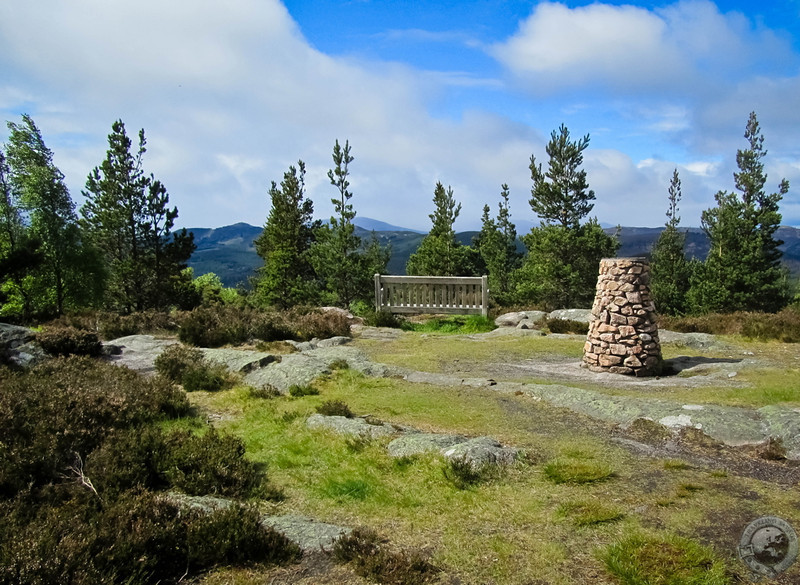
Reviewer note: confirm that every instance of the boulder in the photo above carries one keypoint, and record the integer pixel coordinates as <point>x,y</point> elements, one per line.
<point>582,315</point>
<point>357,426</point>
<point>418,443</point>
<point>18,347</point>
<point>482,451</point>
<point>478,452</point>
<point>516,319</point>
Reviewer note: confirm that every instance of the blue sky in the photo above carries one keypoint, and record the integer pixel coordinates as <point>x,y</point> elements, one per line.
<point>230,94</point>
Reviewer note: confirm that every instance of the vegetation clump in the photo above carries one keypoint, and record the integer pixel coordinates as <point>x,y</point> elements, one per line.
<point>670,560</point>
<point>463,474</point>
<point>335,408</point>
<point>64,341</point>
<point>298,390</point>
<point>576,471</point>
<point>370,558</point>
<point>567,326</point>
<point>188,367</point>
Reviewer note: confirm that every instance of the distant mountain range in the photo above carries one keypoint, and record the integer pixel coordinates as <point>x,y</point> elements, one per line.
<point>229,251</point>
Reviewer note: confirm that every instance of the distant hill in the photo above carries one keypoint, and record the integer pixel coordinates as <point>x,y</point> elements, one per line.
<point>229,252</point>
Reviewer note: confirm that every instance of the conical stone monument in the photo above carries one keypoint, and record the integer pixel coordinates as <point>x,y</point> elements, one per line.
<point>623,334</point>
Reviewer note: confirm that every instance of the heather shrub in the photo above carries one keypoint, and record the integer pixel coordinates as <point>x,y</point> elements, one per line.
<point>175,360</point>
<point>138,539</point>
<point>335,408</point>
<point>235,535</point>
<point>567,326</point>
<point>64,341</point>
<point>371,559</point>
<point>213,464</point>
<point>66,408</point>
<point>383,319</point>
<point>298,390</point>
<point>204,378</point>
<point>783,326</point>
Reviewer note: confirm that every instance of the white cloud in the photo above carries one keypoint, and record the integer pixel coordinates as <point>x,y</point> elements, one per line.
<point>687,45</point>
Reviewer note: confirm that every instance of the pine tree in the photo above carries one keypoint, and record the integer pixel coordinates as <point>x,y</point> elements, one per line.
<point>439,253</point>
<point>68,269</point>
<point>287,277</point>
<point>497,246</point>
<point>742,271</point>
<point>560,269</point>
<point>669,270</point>
<point>338,255</point>
<point>126,216</point>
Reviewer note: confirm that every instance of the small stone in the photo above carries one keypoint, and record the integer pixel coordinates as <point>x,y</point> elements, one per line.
<point>627,331</point>
<point>609,360</point>
<point>632,362</point>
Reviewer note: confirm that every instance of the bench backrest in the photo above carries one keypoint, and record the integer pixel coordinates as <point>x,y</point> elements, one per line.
<point>457,295</point>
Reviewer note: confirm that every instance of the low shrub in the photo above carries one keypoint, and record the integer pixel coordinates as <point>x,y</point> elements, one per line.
<point>670,560</point>
<point>383,319</point>
<point>64,341</point>
<point>140,538</point>
<point>783,326</point>
<point>204,378</point>
<point>462,474</point>
<point>234,536</point>
<point>67,407</point>
<point>213,464</point>
<point>188,367</point>
<point>265,392</point>
<point>219,325</point>
<point>567,326</point>
<point>176,359</point>
<point>335,408</point>
<point>371,559</point>
<point>298,390</point>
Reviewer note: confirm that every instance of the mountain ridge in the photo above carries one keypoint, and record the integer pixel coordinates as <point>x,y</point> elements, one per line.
<point>229,252</point>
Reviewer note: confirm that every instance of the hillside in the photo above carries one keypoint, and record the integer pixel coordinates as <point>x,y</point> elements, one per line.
<point>229,252</point>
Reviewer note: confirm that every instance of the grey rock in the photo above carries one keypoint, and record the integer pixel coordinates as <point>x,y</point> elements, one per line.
<point>357,426</point>
<point>783,423</point>
<point>418,443</point>
<point>692,340</point>
<point>308,534</point>
<point>582,315</point>
<point>332,342</point>
<point>515,319</point>
<point>139,352</point>
<point>303,368</point>
<point>239,360</point>
<point>482,451</point>
<point>18,347</point>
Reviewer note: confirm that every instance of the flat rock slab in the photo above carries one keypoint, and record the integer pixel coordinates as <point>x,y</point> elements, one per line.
<point>303,368</point>
<point>478,452</point>
<point>356,426</point>
<point>139,352</point>
<point>308,534</point>
<point>240,360</point>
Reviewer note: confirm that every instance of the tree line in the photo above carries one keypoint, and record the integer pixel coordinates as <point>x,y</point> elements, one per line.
<point>119,252</point>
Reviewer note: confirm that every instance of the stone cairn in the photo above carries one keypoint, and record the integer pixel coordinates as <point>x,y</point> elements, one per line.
<point>623,335</point>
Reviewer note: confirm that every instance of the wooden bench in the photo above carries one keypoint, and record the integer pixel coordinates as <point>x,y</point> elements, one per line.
<point>456,295</point>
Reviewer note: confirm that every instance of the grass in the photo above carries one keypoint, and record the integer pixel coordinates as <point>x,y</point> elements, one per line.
<point>459,324</point>
<point>664,560</point>
<point>559,519</point>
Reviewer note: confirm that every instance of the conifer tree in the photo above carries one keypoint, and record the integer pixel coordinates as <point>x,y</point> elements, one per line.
<point>742,271</point>
<point>440,253</point>
<point>560,269</point>
<point>68,275</point>
<point>126,216</point>
<point>338,255</point>
<point>669,270</point>
<point>497,245</point>
<point>287,277</point>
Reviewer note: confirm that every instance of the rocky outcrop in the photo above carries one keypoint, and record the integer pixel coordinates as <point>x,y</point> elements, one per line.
<point>18,347</point>
<point>356,426</point>
<point>478,452</point>
<point>311,536</point>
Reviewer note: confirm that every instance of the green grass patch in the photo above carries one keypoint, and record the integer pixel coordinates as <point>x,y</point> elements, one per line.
<point>459,324</point>
<point>589,512</point>
<point>576,472</point>
<point>663,560</point>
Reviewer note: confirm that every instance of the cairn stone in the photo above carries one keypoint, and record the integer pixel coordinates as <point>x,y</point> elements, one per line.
<point>623,334</point>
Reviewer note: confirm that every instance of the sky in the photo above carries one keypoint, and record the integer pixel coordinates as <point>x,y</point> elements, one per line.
<point>462,92</point>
